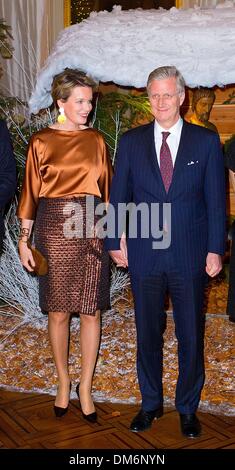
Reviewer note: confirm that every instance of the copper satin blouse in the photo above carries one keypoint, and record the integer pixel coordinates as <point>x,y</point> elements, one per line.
<point>63,163</point>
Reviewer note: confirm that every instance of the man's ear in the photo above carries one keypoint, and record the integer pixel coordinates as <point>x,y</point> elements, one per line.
<point>182,97</point>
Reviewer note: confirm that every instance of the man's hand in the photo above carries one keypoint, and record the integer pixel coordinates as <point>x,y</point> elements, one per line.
<point>120,256</point>
<point>213,264</point>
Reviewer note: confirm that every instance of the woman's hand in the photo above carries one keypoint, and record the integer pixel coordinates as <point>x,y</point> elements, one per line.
<point>26,256</point>
<point>120,257</point>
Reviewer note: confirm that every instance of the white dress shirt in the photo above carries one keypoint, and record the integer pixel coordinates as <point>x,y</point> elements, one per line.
<point>173,139</point>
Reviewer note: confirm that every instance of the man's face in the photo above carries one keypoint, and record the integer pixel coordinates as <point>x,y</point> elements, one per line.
<point>165,101</point>
<point>203,108</point>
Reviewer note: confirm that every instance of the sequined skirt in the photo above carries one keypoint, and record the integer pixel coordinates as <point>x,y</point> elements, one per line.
<point>78,266</point>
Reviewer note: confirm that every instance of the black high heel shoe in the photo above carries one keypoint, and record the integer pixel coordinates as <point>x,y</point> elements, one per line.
<point>59,411</point>
<point>91,417</point>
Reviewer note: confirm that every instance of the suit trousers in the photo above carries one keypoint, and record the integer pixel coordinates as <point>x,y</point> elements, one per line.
<point>187,298</point>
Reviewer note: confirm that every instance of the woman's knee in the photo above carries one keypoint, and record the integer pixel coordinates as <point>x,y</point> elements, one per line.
<point>90,319</point>
<point>59,317</point>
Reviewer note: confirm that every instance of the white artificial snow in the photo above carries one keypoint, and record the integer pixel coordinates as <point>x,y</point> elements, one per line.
<point>125,46</point>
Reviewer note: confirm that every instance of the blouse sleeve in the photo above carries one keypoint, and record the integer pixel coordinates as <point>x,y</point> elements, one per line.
<point>28,202</point>
<point>106,173</point>
<point>230,156</point>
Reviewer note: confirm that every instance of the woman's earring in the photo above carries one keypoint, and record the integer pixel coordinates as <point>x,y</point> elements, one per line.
<point>61,118</point>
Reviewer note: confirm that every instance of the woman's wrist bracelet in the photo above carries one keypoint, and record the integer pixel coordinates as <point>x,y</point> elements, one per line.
<point>24,232</point>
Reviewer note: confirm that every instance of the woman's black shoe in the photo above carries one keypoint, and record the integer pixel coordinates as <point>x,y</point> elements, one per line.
<point>59,411</point>
<point>91,417</point>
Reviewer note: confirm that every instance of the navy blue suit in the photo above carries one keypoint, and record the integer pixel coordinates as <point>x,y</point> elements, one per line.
<point>7,172</point>
<point>197,198</point>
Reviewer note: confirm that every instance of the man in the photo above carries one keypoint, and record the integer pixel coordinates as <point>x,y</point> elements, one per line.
<point>7,173</point>
<point>203,100</point>
<point>170,161</point>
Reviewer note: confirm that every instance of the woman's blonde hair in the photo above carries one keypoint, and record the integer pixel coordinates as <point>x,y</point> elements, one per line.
<point>64,82</point>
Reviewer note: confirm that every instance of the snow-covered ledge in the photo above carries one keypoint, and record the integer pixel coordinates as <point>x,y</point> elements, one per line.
<point>124,46</point>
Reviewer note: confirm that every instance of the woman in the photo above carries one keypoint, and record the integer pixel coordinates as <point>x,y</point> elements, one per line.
<point>67,167</point>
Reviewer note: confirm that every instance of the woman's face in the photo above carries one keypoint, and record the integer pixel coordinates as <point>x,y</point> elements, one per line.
<point>78,106</point>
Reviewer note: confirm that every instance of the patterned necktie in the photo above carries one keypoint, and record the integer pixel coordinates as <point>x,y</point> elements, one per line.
<point>166,164</point>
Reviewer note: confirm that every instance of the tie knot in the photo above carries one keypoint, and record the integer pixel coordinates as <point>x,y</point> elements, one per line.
<point>164,136</point>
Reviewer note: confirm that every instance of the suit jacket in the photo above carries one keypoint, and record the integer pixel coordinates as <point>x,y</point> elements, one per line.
<point>7,171</point>
<point>229,159</point>
<point>196,195</point>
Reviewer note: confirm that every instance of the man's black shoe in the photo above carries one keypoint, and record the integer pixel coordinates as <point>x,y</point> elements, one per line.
<point>190,425</point>
<point>143,420</point>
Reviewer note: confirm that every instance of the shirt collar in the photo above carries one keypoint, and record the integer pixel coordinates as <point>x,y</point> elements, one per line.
<point>175,130</point>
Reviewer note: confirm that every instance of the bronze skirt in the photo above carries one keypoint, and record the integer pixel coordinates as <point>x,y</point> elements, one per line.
<point>78,266</point>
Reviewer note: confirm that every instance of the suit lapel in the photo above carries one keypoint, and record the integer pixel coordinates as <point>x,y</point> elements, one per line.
<point>152,156</point>
<point>181,156</point>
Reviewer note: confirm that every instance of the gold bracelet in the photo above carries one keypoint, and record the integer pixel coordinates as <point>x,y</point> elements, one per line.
<point>23,241</point>
<point>24,232</point>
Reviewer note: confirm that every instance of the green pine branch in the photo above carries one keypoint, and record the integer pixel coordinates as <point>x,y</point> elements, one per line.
<point>231,98</point>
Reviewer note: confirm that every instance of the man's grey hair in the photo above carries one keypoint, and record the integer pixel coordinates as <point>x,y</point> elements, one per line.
<point>167,72</point>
